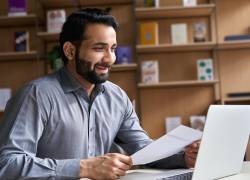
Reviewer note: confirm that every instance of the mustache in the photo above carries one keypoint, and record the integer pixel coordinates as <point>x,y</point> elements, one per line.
<point>103,65</point>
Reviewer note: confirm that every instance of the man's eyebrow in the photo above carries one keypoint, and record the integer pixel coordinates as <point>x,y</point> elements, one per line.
<point>102,44</point>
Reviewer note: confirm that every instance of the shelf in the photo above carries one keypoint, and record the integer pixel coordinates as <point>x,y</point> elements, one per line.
<point>175,11</point>
<point>172,48</point>
<point>227,45</point>
<point>49,37</point>
<point>76,3</point>
<point>178,84</point>
<point>238,99</point>
<point>7,56</point>
<point>124,67</point>
<point>104,3</point>
<point>6,21</point>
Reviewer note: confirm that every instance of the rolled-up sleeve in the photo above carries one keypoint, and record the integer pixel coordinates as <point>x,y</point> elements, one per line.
<point>20,130</point>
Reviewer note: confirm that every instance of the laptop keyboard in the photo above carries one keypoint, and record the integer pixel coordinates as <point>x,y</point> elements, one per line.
<point>184,176</point>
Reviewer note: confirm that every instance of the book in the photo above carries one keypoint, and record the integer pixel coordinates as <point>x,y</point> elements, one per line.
<point>55,59</point>
<point>151,3</point>
<point>55,20</point>
<point>189,3</point>
<point>17,8</point>
<point>172,122</point>
<point>179,33</point>
<point>197,122</point>
<point>21,39</point>
<point>205,69</point>
<point>5,94</point>
<point>237,37</point>
<point>123,55</point>
<point>150,71</point>
<point>199,32</point>
<point>149,33</point>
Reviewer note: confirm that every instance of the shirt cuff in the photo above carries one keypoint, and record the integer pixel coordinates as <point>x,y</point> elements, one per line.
<point>68,168</point>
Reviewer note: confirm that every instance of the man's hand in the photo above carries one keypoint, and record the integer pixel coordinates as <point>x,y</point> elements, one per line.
<point>191,152</point>
<point>109,166</point>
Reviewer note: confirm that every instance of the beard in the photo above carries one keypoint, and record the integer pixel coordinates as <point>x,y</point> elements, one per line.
<point>83,68</point>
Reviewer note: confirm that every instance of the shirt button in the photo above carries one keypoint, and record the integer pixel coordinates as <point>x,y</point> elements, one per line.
<point>92,129</point>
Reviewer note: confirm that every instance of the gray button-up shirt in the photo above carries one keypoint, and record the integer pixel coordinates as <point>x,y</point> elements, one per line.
<point>51,123</point>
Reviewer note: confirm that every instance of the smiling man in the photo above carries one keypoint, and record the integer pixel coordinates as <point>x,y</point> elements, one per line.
<point>62,126</point>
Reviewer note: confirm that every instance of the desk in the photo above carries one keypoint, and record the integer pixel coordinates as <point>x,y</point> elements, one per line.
<point>133,174</point>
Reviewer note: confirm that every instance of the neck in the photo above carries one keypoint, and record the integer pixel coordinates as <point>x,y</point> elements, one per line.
<point>84,83</point>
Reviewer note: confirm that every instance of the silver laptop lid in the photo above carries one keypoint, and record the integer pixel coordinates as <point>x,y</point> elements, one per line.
<point>224,142</point>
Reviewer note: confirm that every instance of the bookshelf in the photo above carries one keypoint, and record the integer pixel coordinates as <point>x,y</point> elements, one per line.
<point>234,45</point>
<point>48,4</point>
<point>17,56</point>
<point>178,92</point>
<point>28,20</point>
<point>204,46</point>
<point>124,67</point>
<point>178,84</point>
<point>174,11</point>
<point>48,36</point>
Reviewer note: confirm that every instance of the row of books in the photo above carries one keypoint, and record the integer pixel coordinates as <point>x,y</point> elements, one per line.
<point>196,122</point>
<point>150,71</point>
<point>156,3</point>
<point>179,33</point>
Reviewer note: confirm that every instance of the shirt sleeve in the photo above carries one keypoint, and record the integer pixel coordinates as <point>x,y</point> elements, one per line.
<point>131,137</point>
<point>20,130</point>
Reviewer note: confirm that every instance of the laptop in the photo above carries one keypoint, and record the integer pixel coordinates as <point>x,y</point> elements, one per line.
<point>222,148</point>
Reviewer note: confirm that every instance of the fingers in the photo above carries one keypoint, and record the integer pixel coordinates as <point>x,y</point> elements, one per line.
<point>122,158</point>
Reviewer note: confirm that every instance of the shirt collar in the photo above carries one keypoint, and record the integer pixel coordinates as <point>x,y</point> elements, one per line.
<point>69,83</point>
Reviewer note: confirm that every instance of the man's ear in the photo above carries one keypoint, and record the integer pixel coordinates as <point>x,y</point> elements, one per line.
<point>69,50</point>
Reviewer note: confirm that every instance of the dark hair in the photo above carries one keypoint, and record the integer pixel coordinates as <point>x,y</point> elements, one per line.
<point>74,28</point>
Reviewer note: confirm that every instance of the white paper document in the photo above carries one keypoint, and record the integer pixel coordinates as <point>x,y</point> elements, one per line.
<point>167,145</point>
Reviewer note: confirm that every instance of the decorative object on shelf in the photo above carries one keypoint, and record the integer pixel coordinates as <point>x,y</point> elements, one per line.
<point>21,39</point>
<point>199,32</point>
<point>239,37</point>
<point>205,69</point>
<point>5,94</point>
<point>189,3</point>
<point>150,71</point>
<point>55,20</point>
<point>172,122</point>
<point>123,55</point>
<point>149,33</point>
<point>17,8</point>
<point>179,33</point>
<point>151,3</point>
<point>54,58</point>
<point>197,122</point>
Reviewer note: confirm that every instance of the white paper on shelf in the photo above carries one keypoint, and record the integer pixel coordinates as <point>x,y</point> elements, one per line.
<point>167,145</point>
<point>5,94</point>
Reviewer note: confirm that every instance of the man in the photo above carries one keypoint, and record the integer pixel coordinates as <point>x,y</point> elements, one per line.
<point>62,126</point>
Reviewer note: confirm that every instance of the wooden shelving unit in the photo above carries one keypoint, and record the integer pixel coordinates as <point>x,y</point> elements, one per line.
<point>238,99</point>
<point>48,37</point>
<point>205,46</point>
<point>124,67</point>
<point>176,11</point>
<point>81,3</point>
<point>230,45</point>
<point>178,84</point>
<point>7,21</point>
<point>17,56</point>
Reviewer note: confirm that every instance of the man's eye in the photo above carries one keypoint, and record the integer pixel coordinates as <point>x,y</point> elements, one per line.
<point>98,48</point>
